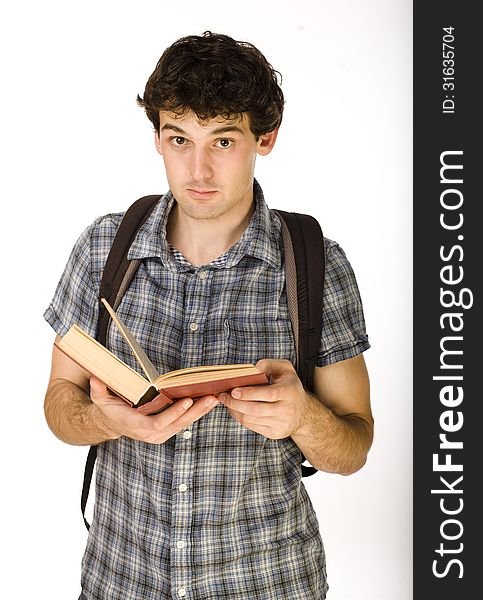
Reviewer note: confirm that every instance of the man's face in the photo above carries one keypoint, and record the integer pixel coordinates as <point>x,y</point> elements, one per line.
<point>210,165</point>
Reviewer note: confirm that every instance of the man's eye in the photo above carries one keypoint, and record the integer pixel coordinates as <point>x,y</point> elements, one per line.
<point>224,142</point>
<point>179,140</point>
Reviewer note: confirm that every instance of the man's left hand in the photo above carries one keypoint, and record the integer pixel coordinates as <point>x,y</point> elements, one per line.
<point>276,410</point>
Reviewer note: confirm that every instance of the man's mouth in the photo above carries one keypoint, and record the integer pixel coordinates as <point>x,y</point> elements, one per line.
<point>201,193</point>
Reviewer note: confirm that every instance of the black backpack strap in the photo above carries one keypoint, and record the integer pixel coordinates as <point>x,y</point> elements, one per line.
<point>113,282</point>
<point>116,277</point>
<point>305,274</point>
<point>86,484</point>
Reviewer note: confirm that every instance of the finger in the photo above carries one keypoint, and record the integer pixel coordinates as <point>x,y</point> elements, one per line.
<point>99,392</point>
<point>259,426</point>
<point>274,367</point>
<point>253,409</point>
<point>98,388</point>
<point>201,406</point>
<point>184,412</point>
<point>257,393</point>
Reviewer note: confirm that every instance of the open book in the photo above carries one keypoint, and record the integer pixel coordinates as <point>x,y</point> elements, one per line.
<point>154,392</point>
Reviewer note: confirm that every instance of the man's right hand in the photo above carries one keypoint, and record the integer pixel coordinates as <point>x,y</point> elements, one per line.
<point>78,419</point>
<point>118,418</point>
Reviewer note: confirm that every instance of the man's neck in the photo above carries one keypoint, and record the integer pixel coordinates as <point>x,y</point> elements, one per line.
<point>203,240</point>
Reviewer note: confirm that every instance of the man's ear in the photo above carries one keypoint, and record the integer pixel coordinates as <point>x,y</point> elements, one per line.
<point>157,142</point>
<point>266,142</point>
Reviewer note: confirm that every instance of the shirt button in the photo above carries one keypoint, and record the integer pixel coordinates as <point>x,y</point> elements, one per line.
<point>194,326</point>
<point>180,544</point>
<point>183,487</point>
<point>186,435</point>
<point>203,274</point>
<point>182,592</point>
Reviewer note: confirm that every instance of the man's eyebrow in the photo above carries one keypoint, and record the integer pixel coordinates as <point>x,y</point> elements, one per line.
<point>172,127</point>
<point>216,131</point>
<point>227,129</point>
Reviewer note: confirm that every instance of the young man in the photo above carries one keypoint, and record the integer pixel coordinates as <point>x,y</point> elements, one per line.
<point>204,500</point>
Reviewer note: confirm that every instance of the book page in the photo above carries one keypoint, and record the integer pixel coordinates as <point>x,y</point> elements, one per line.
<point>207,371</point>
<point>98,360</point>
<point>138,352</point>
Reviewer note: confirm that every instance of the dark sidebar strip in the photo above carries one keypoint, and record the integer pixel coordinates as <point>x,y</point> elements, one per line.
<point>448,332</point>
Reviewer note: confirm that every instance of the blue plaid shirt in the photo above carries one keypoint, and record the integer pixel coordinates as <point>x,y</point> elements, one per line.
<point>218,511</point>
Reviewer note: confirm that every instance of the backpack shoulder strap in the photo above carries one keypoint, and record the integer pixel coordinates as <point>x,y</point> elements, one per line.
<point>114,282</point>
<point>116,277</point>
<point>304,274</point>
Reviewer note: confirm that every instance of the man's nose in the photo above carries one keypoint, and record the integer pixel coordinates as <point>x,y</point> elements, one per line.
<point>201,167</point>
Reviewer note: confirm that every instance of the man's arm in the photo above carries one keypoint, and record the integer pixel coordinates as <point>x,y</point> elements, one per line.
<point>78,418</point>
<point>333,427</point>
<point>337,431</point>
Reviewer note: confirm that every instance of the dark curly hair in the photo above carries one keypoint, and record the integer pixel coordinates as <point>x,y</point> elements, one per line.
<point>213,75</point>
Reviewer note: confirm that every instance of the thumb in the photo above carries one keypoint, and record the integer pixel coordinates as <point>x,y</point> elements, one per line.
<point>274,367</point>
<point>97,387</point>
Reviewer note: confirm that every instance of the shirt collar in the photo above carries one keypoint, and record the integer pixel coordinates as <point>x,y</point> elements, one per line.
<point>260,239</point>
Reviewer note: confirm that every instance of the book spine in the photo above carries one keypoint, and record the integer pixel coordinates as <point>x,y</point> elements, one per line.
<point>156,405</point>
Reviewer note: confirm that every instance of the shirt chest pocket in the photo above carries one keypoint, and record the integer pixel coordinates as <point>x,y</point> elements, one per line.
<point>250,339</point>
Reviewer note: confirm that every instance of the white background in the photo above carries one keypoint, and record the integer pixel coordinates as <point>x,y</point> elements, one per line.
<point>74,145</point>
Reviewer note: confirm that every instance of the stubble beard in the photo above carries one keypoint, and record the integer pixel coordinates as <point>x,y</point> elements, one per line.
<point>205,210</point>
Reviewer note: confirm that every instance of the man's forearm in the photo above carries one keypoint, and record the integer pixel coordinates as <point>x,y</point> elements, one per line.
<point>72,416</point>
<point>331,443</point>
